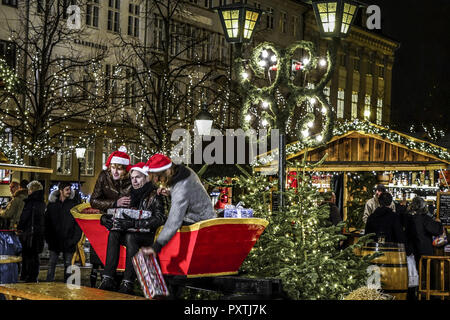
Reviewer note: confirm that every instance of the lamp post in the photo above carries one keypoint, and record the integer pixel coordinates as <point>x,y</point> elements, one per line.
<point>80,152</point>
<point>204,121</point>
<point>334,19</point>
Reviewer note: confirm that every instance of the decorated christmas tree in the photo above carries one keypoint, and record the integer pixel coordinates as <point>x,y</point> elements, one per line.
<point>300,245</point>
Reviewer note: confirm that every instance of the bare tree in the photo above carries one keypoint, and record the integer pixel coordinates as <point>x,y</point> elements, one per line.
<point>55,83</point>
<point>168,78</point>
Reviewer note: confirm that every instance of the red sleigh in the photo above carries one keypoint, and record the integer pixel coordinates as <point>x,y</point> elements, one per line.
<point>208,248</point>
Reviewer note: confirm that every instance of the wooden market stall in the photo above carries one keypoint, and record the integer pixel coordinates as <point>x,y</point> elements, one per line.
<point>363,146</point>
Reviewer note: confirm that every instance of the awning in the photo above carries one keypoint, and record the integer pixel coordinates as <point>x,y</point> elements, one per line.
<point>18,167</point>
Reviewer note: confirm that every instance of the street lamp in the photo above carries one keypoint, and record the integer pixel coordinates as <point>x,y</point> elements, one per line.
<point>204,121</point>
<point>239,21</point>
<point>334,17</point>
<point>80,152</point>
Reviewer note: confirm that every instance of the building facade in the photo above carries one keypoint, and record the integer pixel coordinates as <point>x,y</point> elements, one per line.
<point>360,87</point>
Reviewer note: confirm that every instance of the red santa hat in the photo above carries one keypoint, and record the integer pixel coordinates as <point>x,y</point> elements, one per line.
<point>119,157</point>
<point>158,163</point>
<point>141,167</point>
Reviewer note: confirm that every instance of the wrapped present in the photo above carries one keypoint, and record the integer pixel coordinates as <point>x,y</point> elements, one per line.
<point>117,213</point>
<point>237,211</point>
<point>150,276</point>
<point>90,211</point>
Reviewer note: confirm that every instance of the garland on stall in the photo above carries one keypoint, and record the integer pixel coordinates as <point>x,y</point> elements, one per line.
<point>365,127</point>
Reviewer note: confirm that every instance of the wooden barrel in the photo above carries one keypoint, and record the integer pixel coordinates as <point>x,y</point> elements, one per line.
<point>393,267</point>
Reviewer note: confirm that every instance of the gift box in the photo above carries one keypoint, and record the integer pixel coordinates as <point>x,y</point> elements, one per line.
<point>237,211</point>
<point>150,276</point>
<point>117,213</point>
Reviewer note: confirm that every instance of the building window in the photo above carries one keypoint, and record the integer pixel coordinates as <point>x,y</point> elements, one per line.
<point>354,105</point>
<point>223,50</point>
<point>108,147</point>
<point>158,33</point>
<point>381,71</point>
<point>283,22</point>
<point>175,43</point>
<point>379,110</point>
<point>64,156</point>
<point>133,19</point>
<point>92,10</point>
<point>342,60</point>
<point>340,104</point>
<point>114,15</point>
<point>12,3</point>
<point>295,26</point>
<point>88,162</point>
<point>356,64</point>
<point>367,107</point>
<point>270,18</point>
<point>107,78</point>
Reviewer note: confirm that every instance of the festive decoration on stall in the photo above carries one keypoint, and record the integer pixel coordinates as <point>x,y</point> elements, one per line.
<point>300,245</point>
<point>366,127</point>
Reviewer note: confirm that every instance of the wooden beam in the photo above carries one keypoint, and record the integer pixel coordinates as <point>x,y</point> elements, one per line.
<point>17,167</point>
<point>368,167</point>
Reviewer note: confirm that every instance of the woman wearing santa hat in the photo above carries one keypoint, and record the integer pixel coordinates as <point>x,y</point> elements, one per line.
<point>190,203</point>
<point>111,190</point>
<point>143,197</point>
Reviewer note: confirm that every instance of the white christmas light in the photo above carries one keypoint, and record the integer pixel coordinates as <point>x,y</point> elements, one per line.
<point>324,110</point>
<point>305,133</point>
<point>265,54</point>
<point>273,58</point>
<point>319,138</point>
<point>265,104</point>
<point>244,75</point>
<point>313,100</point>
<point>305,61</point>
<point>264,122</point>
<point>262,63</point>
<point>310,124</point>
<point>248,117</point>
<point>322,62</point>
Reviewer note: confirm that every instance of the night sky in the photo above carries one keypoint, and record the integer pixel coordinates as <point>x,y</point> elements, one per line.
<point>421,74</point>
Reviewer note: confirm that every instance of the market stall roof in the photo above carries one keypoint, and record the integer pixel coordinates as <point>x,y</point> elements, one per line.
<point>364,146</point>
<point>18,167</point>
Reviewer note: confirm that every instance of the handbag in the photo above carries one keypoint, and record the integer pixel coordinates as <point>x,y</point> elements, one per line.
<point>441,240</point>
<point>413,275</point>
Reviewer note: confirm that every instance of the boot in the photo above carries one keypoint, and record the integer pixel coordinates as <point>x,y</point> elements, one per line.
<point>126,287</point>
<point>107,283</point>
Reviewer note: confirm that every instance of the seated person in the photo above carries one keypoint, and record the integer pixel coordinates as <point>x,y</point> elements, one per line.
<point>190,203</point>
<point>143,197</point>
<point>384,222</point>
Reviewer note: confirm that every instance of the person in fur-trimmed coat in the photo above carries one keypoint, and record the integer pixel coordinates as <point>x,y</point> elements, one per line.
<point>190,203</point>
<point>62,233</point>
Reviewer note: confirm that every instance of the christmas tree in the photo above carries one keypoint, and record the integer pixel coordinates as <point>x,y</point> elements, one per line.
<point>300,245</point>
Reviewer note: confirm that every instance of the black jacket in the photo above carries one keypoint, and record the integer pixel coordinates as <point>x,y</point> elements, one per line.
<point>32,219</point>
<point>423,228</point>
<point>147,199</point>
<point>62,233</point>
<point>384,222</point>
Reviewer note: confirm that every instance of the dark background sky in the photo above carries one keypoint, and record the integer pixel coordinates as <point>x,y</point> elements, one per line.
<point>421,74</point>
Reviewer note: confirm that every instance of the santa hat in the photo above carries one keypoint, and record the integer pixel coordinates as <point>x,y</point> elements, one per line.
<point>158,163</point>
<point>119,157</point>
<point>141,167</point>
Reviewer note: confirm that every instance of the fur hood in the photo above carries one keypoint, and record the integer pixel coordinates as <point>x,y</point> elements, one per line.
<point>23,192</point>
<point>54,196</point>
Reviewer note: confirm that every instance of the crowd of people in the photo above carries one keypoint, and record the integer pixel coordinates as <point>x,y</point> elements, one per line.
<point>413,225</point>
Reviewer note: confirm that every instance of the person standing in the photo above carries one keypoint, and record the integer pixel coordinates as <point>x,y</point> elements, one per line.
<point>384,222</point>
<point>31,231</point>
<point>373,203</point>
<point>62,233</point>
<point>143,197</point>
<point>422,229</point>
<point>14,208</point>
<point>111,190</point>
<point>190,203</point>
